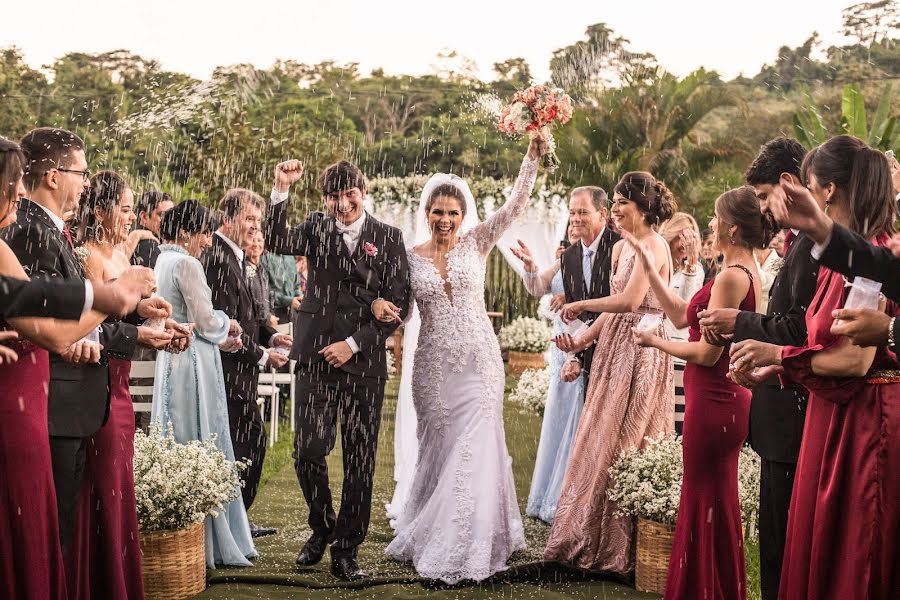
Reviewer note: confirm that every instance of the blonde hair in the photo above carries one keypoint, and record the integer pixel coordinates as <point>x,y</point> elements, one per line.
<point>680,221</point>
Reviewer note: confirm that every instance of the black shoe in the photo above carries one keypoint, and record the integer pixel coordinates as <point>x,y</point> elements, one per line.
<point>347,569</point>
<point>256,531</point>
<point>313,550</point>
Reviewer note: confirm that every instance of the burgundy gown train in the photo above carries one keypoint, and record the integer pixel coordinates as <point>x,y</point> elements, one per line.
<point>32,565</point>
<point>707,559</point>
<point>843,536</point>
<point>107,561</point>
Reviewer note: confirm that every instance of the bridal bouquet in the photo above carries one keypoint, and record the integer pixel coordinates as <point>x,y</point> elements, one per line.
<point>532,111</point>
<point>178,485</point>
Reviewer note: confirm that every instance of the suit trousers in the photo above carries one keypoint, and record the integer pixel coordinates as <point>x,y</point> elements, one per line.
<point>248,435</point>
<point>775,487</point>
<point>324,395</point>
<point>67,455</point>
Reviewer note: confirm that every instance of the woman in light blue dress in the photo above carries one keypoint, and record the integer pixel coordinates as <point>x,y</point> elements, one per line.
<point>562,410</point>
<point>189,388</point>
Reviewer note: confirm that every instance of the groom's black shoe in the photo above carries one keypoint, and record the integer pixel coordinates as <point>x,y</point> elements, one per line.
<point>346,568</point>
<point>257,531</point>
<point>312,550</point>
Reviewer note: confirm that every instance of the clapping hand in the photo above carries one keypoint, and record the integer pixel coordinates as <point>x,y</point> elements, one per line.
<point>523,253</point>
<point>567,343</point>
<point>287,173</point>
<point>7,354</point>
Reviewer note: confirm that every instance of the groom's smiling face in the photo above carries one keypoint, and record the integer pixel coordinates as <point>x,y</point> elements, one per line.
<point>345,205</point>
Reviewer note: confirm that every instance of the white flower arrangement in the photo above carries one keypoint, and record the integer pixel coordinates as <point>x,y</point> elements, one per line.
<point>178,485</point>
<point>531,390</point>
<point>526,334</point>
<point>646,482</point>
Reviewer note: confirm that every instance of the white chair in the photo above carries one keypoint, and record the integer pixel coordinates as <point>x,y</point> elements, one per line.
<point>142,369</point>
<point>269,383</point>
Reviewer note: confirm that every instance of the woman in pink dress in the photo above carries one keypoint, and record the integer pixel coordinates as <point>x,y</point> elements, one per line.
<point>842,537</point>
<point>630,394</point>
<point>707,560</point>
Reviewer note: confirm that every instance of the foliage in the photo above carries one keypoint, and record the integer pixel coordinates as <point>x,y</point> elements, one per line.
<point>178,485</point>
<point>883,132</point>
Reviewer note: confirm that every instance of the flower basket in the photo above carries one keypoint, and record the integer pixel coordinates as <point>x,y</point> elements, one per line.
<point>174,563</point>
<point>519,362</point>
<point>654,547</point>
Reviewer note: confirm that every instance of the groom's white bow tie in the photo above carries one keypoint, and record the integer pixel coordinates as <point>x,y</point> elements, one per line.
<point>350,232</point>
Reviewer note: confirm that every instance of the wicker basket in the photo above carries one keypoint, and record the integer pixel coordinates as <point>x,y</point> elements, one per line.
<point>654,546</point>
<point>174,563</point>
<point>519,362</point>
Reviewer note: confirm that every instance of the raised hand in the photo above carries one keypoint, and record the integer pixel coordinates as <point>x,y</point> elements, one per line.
<point>8,355</point>
<point>691,242</point>
<point>793,206</point>
<point>523,253</point>
<point>287,173</point>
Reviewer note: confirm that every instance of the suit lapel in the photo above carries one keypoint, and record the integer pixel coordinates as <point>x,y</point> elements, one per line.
<point>365,235</point>
<point>70,265</point>
<point>574,272</point>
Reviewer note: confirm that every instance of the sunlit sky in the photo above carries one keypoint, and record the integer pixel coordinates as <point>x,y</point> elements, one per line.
<point>404,36</point>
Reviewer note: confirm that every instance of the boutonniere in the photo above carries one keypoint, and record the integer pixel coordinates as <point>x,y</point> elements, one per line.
<point>371,249</point>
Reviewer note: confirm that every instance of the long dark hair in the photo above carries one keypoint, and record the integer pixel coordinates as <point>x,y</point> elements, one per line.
<point>189,216</point>
<point>12,164</point>
<point>105,193</point>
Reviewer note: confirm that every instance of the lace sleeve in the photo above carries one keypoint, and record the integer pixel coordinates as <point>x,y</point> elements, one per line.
<point>212,325</point>
<point>487,233</point>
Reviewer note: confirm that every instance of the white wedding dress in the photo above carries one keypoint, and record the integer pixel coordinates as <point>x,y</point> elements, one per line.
<point>461,520</point>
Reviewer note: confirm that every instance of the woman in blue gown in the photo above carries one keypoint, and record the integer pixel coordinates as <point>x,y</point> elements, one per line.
<point>562,409</point>
<point>189,388</point>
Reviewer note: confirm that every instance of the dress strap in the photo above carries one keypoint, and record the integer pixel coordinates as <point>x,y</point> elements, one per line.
<point>745,270</point>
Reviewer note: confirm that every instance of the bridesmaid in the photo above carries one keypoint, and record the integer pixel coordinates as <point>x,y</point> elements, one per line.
<point>107,549</point>
<point>842,539</point>
<point>32,567</point>
<point>565,399</point>
<point>624,404</point>
<point>707,558</point>
<point>189,390</point>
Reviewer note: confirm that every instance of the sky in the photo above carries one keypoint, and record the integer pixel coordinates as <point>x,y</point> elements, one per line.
<point>404,36</point>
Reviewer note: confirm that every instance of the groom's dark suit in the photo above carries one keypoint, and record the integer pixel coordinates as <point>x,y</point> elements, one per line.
<point>574,285</point>
<point>340,290</point>
<point>78,396</point>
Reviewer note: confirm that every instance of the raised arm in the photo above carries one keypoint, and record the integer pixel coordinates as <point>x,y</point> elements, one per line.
<point>279,238</point>
<point>492,229</point>
<point>537,283</point>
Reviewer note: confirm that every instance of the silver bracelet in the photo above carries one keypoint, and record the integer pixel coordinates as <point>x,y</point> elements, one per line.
<point>891,341</point>
<point>532,274</point>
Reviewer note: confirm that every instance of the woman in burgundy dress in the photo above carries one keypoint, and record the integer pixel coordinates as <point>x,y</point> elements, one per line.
<point>32,566</point>
<point>707,554</point>
<point>842,538</point>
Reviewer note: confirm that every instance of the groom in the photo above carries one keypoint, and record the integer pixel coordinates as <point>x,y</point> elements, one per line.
<point>339,347</point>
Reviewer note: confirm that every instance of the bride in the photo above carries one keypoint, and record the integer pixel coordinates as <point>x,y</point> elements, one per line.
<point>460,520</point>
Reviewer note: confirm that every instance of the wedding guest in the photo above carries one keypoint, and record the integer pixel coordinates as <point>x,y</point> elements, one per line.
<point>29,528</point>
<point>224,264</point>
<point>78,397</point>
<point>189,390</point>
<point>150,209</point>
<point>630,394</point>
<point>564,399</point>
<point>683,235</point>
<point>586,266</point>
<point>707,557</point>
<point>258,280</point>
<point>281,270</point>
<point>106,560</point>
<point>777,408</point>
<point>710,260</point>
<point>846,501</point>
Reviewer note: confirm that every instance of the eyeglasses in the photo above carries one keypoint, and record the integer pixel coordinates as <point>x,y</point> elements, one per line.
<point>85,175</point>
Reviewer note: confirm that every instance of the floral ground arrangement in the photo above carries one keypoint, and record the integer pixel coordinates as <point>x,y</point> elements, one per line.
<point>280,504</point>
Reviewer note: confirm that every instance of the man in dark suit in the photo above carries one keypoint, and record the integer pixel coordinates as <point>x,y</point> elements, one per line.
<point>225,264</point>
<point>339,347</point>
<point>586,265</point>
<point>776,413</point>
<point>78,396</point>
<point>151,207</point>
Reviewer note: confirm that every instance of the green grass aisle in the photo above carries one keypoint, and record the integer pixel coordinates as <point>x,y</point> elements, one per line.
<point>280,504</point>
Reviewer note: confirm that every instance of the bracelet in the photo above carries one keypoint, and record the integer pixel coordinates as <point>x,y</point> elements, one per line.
<point>532,274</point>
<point>891,341</point>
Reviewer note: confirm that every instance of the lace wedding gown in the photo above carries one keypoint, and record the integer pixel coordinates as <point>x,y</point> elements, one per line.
<point>461,520</point>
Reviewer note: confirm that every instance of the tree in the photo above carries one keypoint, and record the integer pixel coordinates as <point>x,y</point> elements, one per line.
<point>513,71</point>
<point>883,133</point>
<point>871,22</point>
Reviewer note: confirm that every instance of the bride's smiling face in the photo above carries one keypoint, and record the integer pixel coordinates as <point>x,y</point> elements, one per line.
<point>444,218</point>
